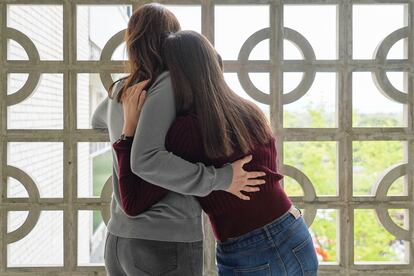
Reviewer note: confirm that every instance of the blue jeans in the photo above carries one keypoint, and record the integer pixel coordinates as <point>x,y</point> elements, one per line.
<point>282,247</point>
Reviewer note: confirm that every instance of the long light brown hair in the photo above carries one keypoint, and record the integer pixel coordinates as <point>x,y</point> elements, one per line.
<point>227,121</point>
<point>143,39</point>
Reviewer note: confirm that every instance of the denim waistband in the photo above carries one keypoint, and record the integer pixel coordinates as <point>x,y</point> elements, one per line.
<point>261,233</point>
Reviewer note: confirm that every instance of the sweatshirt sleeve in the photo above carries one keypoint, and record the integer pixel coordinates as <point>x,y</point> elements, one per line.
<point>136,194</point>
<point>152,162</point>
<point>98,120</point>
<point>99,116</point>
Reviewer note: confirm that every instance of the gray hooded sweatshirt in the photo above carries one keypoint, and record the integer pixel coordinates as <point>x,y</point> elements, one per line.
<point>177,217</point>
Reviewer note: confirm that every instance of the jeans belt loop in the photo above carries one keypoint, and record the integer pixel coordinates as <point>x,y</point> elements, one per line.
<point>295,212</point>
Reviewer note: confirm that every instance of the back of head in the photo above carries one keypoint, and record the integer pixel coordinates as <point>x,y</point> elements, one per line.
<point>227,121</point>
<point>143,38</point>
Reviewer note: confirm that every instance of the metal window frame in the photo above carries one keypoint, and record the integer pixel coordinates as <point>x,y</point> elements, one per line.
<point>344,134</point>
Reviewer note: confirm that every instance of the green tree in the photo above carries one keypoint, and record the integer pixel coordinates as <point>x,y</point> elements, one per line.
<point>370,159</point>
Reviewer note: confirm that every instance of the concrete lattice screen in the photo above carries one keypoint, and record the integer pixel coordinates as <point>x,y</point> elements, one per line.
<point>344,134</point>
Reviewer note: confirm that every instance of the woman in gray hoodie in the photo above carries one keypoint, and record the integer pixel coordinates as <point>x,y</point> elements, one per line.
<point>167,238</point>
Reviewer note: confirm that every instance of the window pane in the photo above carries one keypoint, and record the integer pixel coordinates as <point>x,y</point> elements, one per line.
<point>15,219</point>
<point>400,217</point>
<point>42,161</point>
<point>188,16</point>
<point>15,81</point>
<point>317,23</point>
<point>373,243</point>
<point>292,187</point>
<point>370,107</point>
<point>232,24</point>
<point>291,51</point>
<point>91,92</point>
<point>324,229</point>
<point>317,160</point>
<point>371,159</point>
<point>398,80</point>
<point>43,24</point>
<point>43,109</point>
<point>43,246</point>
<point>317,108</point>
<point>368,34</point>
<point>94,29</point>
<point>94,168</point>
<point>91,238</point>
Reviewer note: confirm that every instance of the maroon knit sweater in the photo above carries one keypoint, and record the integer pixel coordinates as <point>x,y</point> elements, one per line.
<point>229,215</point>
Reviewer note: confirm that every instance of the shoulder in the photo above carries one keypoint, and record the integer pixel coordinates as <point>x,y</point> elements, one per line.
<point>163,77</point>
<point>161,83</point>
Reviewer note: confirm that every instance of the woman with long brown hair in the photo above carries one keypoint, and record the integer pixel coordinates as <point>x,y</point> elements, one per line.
<point>164,233</point>
<point>263,233</point>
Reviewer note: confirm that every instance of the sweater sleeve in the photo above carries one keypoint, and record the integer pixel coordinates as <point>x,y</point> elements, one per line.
<point>152,162</point>
<point>136,194</point>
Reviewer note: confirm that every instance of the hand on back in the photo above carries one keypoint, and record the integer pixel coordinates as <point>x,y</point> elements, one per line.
<point>244,180</point>
<point>132,101</point>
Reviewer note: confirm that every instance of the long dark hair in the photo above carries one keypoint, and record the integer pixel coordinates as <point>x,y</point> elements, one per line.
<point>143,39</point>
<point>227,121</point>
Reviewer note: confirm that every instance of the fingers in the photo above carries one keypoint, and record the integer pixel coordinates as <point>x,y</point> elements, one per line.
<point>141,99</point>
<point>128,95</point>
<point>242,196</point>
<point>133,95</point>
<point>136,88</point>
<point>255,182</point>
<point>251,175</point>
<point>143,83</point>
<point>251,189</point>
<point>246,189</point>
<point>246,159</point>
<point>139,86</point>
<point>125,95</point>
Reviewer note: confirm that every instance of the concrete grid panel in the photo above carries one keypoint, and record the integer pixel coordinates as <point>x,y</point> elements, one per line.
<point>343,134</point>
